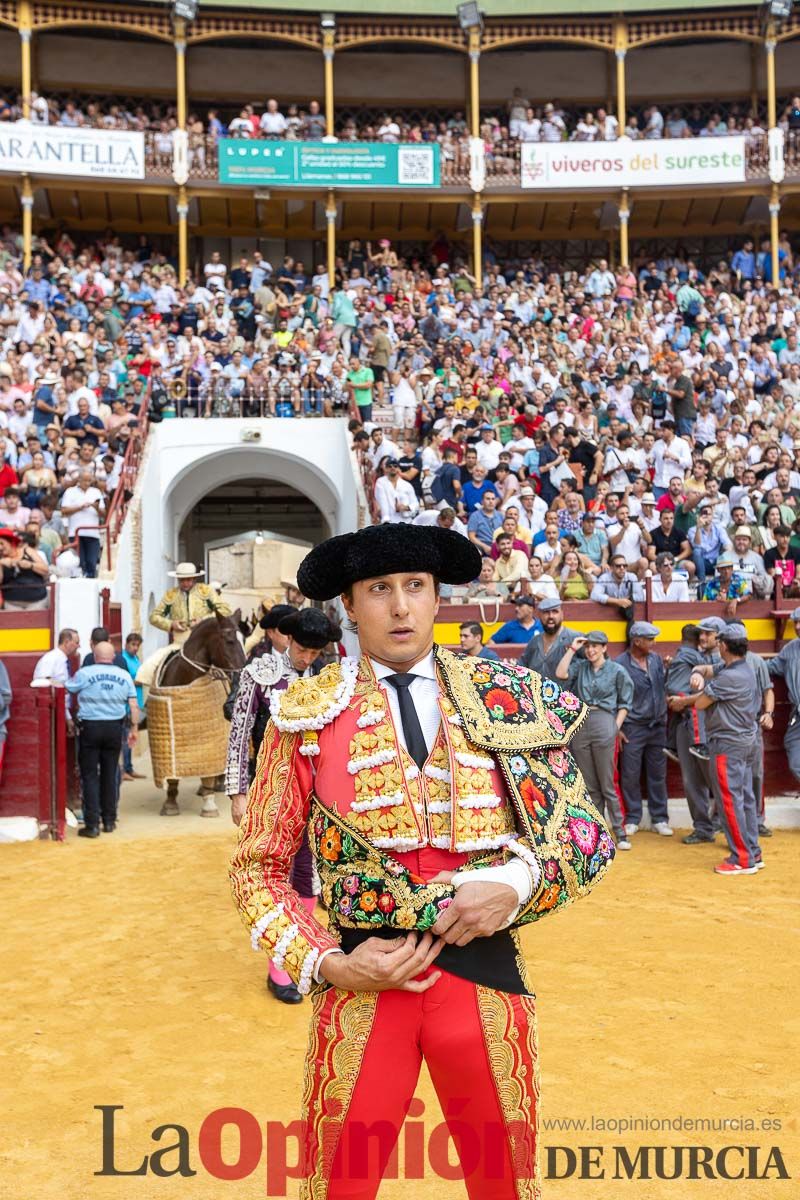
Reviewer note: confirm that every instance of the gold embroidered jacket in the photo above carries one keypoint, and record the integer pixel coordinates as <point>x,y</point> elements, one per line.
<point>498,781</point>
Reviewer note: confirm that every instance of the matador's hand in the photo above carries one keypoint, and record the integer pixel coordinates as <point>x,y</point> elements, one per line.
<point>238,806</point>
<point>478,910</point>
<point>384,964</point>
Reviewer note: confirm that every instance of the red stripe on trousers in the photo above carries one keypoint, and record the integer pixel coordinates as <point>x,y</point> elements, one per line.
<point>617,784</point>
<point>721,764</point>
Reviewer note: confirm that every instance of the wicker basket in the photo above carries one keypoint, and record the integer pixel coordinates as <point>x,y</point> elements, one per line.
<point>187,731</point>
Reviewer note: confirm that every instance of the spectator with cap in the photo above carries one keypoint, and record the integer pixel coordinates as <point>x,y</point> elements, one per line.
<point>545,649</point>
<point>606,689</point>
<point>643,734</point>
<point>732,701</point>
<point>592,540</point>
<point>519,630</point>
<point>748,562</point>
<point>471,639</point>
<point>728,585</point>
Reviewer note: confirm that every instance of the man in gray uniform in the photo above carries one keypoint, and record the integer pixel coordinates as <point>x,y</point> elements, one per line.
<point>605,687</point>
<point>765,721</point>
<point>545,650</point>
<point>732,702</point>
<point>786,665</point>
<point>694,772</point>
<point>644,733</point>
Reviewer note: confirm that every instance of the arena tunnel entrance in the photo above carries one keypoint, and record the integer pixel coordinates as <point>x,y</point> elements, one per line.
<point>250,506</point>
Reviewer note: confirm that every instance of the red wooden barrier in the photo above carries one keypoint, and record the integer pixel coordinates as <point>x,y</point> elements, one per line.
<point>36,768</point>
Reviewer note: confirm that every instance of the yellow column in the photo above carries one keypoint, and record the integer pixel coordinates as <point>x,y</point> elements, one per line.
<point>624,215</point>
<point>27,221</point>
<point>180,70</point>
<point>330,225</point>
<point>328,51</point>
<point>25,26</point>
<point>769,47</point>
<point>183,236</point>
<point>477,239</point>
<point>620,50</point>
<point>774,213</point>
<point>474,82</point>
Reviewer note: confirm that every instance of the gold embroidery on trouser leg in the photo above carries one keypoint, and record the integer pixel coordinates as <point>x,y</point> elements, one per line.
<point>516,1081</point>
<point>336,1048</point>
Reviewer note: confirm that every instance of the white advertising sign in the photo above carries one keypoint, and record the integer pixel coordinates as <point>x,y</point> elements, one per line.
<point>26,148</point>
<point>626,164</point>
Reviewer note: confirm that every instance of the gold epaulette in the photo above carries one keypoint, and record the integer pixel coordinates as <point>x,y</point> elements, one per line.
<point>308,705</point>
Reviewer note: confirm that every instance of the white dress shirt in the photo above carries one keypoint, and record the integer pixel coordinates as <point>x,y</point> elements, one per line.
<point>424,691</point>
<point>52,666</point>
<point>389,495</point>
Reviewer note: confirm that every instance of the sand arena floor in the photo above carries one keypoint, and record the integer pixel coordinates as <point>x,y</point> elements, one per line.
<point>130,981</point>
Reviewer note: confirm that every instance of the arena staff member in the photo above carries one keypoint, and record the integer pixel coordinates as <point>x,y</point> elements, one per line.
<point>732,701</point>
<point>606,689</point>
<point>421,957</point>
<point>786,665</point>
<point>544,652</point>
<point>106,695</point>
<point>685,729</point>
<point>307,632</point>
<point>643,735</point>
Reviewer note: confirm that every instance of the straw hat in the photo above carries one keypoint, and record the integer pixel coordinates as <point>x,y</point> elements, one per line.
<point>186,570</point>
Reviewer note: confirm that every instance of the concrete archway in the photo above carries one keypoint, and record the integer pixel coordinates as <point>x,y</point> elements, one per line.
<point>187,460</point>
<point>238,463</point>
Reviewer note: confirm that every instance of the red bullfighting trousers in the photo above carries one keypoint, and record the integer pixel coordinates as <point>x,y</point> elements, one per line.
<point>365,1054</point>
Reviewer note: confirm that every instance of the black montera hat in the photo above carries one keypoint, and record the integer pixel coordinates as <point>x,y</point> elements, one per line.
<point>335,565</point>
<point>310,628</point>
<point>273,617</point>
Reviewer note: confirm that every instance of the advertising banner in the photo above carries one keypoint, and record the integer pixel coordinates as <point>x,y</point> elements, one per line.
<point>26,148</point>
<point>323,164</point>
<point>626,164</point>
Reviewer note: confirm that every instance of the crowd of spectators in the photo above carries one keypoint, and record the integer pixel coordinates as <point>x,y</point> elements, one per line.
<point>589,430</point>
<point>574,424</point>
<point>519,120</point>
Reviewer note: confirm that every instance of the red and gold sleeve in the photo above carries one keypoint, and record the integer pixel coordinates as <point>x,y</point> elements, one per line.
<point>269,836</point>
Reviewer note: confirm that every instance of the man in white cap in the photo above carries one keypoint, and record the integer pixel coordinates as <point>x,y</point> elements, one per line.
<point>184,606</point>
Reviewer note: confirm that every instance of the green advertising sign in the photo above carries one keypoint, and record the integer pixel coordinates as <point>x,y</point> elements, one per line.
<point>328,165</point>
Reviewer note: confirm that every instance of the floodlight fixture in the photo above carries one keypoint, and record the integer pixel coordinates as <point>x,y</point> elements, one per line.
<point>185,10</point>
<point>327,21</point>
<point>469,15</point>
<point>779,10</point>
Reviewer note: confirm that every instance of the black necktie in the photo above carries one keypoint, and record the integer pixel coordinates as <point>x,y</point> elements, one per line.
<point>415,742</point>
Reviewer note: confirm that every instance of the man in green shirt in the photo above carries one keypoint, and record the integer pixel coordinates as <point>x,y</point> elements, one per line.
<point>361,378</point>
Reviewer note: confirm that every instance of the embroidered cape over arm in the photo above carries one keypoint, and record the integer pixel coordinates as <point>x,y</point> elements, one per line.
<point>269,837</point>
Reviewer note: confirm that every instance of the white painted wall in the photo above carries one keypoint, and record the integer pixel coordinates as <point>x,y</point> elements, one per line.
<point>185,460</point>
